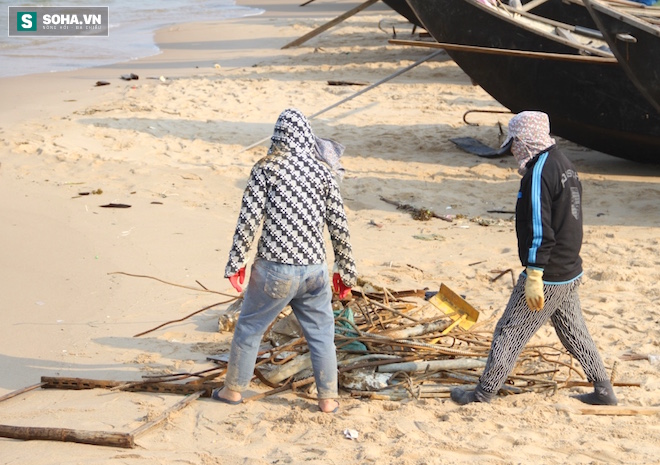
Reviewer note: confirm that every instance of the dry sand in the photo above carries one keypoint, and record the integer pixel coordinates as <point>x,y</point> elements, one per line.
<point>173,150</point>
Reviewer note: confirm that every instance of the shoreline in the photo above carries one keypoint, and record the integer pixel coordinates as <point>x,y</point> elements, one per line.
<point>209,42</point>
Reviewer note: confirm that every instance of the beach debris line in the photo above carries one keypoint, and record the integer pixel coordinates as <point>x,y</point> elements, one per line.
<point>419,214</point>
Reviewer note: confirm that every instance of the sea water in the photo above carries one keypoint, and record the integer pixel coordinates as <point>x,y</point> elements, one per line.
<point>131,33</point>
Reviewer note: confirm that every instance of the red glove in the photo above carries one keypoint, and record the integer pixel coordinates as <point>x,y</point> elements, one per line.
<point>339,286</point>
<point>239,277</point>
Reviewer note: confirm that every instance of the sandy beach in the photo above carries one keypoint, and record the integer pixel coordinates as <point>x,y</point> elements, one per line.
<point>80,280</point>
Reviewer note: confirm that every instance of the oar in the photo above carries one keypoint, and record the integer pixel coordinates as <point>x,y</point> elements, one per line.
<point>366,89</point>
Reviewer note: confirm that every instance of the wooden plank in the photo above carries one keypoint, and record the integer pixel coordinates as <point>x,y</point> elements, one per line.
<point>506,52</point>
<point>433,365</point>
<point>329,24</point>
<point>533,4</point>
<point>137,386</point>
<point>97,438</point>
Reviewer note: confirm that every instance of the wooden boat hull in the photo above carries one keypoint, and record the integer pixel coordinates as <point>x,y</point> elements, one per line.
<point>402,7</point>
<point>639,59</point>
<point>559,10</point>
<point>591,104</point>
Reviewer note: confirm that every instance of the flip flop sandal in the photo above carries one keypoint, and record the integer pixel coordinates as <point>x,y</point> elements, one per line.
<point>216,395</point>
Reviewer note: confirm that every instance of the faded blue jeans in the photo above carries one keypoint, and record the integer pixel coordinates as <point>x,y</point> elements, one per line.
<point>272,287</point>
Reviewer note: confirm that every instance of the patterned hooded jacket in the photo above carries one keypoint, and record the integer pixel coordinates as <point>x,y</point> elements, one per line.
<point>295,196</point>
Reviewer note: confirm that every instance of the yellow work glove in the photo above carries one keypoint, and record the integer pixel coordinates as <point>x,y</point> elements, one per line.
<point>534,289</point>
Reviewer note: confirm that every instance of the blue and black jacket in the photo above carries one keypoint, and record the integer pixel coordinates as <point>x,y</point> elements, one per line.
<point>549,217</point>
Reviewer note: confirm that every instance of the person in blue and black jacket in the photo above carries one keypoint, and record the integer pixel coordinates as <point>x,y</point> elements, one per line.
<point>549,231</point>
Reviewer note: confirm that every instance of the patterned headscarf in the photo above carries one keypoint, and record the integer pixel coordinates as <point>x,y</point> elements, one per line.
<point>293,134</point>
<point>529,132</point>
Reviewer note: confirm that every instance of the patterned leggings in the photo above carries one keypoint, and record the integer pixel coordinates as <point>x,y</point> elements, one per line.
<point>518,324</point>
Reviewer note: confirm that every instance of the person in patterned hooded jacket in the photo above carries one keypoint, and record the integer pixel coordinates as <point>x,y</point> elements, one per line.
<point>293,196</point>
<point>549,231</point>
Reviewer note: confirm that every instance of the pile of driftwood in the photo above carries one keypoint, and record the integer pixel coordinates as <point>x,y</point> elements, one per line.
<point>390,345</point>
<point>396,345</point>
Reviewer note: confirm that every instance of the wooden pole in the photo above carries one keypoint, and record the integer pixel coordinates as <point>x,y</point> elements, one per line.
<point>417,330</point>
<point>433,365</point>
<point>350,97</point>
<point>96,438</point>
<point>329,24</point>
<point>506,52</point>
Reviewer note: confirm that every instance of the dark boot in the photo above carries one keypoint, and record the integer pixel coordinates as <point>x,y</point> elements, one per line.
<point>603,394</point>
<point>462,397</point>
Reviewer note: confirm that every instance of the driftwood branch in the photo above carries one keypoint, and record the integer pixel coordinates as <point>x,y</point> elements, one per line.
<point>21,391</point>
<point>163,416</point>
<point>202,289</point>
<point>185,317</point>
<point>97,438</point>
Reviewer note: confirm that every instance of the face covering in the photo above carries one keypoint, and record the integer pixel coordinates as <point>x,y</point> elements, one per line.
<point>329,152</point>
<point>529,133</point>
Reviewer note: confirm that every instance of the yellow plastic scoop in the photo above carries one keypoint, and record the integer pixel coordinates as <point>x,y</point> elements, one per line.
<point>455,307</point>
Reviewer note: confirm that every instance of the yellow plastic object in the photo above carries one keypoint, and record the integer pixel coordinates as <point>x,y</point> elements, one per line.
<point>455,307</point>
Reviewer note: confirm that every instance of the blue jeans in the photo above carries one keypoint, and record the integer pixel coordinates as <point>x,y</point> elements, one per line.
<point>272,287</point>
